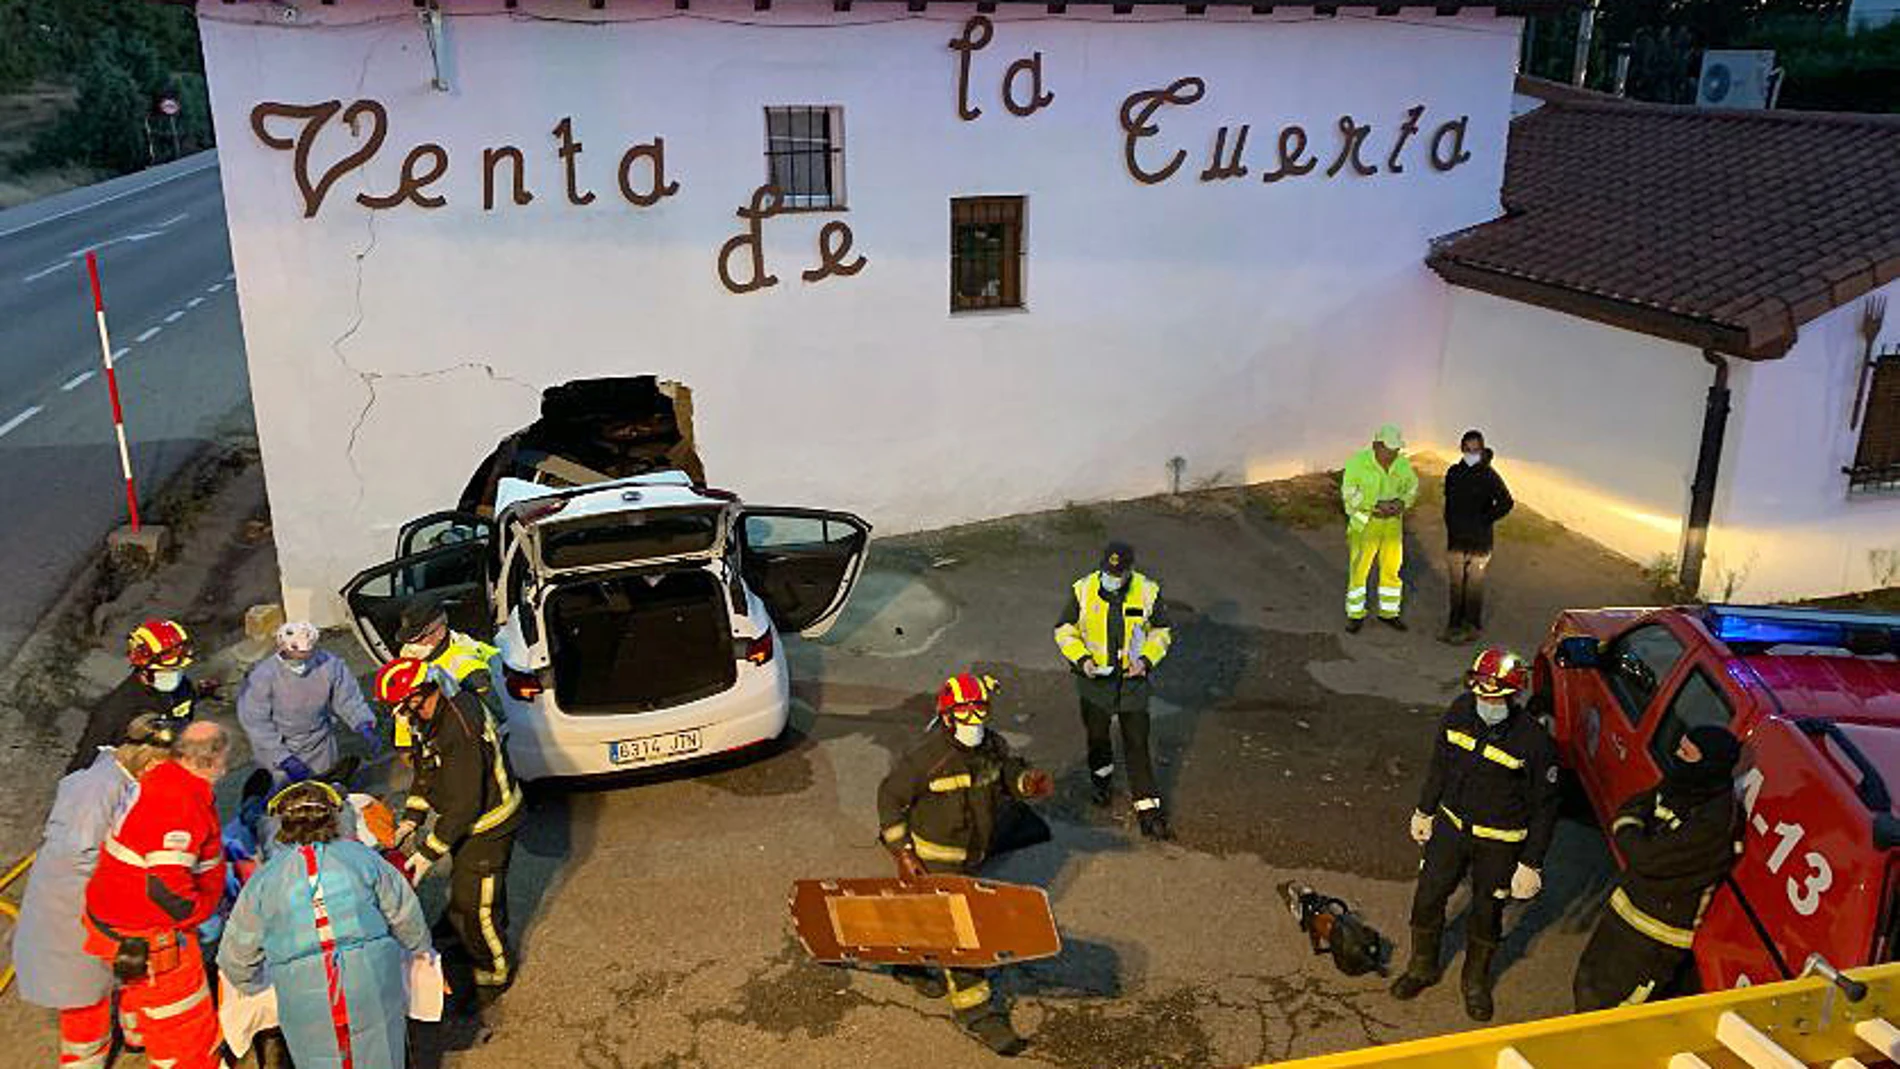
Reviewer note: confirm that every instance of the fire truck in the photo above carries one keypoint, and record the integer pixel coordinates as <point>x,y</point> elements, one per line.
<point>1815,697</point>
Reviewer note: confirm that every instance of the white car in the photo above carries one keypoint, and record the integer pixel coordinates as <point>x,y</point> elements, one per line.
<point>637,619</point>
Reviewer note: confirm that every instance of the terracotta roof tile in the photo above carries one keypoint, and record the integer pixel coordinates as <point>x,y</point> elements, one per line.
<point>1726,229</point>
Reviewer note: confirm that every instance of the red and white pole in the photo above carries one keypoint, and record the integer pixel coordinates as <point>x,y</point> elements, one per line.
<point>112,387</point>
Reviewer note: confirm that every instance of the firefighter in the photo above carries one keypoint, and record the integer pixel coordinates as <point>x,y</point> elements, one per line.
<point>1487,810</point>
<point>290,703</point>
<point>462,776</point>
<point>1111,665</point>
<point>939,810</point>
<point>1678,840</point>
<point>160,875</point>
<point>159,651</point>
<point>1376,489</point>
<point>49,941</point>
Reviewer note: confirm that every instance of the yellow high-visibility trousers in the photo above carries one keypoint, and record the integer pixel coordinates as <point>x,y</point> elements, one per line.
<point>1384,538</point>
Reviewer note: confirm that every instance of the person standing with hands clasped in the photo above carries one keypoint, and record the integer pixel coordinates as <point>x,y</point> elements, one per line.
<point>1376,488</point>
<point>1475,500</point>
<point>1487,811</point>
<point>1114,630</point>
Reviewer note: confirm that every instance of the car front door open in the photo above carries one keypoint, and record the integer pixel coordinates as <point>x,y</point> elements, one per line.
<point>455,572</point>
<point>802,563</point>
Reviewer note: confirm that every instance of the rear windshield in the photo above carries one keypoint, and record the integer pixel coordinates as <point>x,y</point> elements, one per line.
<point>625,537</point>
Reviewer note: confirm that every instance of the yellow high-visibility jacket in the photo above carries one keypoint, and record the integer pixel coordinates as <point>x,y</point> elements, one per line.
<point>1145,631</point>
<point>1365,484</point>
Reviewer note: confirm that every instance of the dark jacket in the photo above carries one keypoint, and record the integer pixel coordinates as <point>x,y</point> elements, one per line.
<point>123,704</point>
<point>945,800</point>
<point>1674,855</point>
<point>1475,499</point>
<point>1494,779</point>
<point>463,776</point>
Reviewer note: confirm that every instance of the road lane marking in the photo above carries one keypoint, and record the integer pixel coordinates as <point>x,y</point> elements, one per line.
<point>121,355</point>
<point>194,302</point>
<point>179,218</point>
<point>231,277</point>
<point>148,335</point>
<point>45,271</point>
<point>214,287</point>
<point>7,427</point>
<point>175,316</point>
<point>75,382</point>
<point>210,162</point>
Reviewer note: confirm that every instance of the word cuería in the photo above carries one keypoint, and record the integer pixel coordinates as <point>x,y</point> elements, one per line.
<point>1444,147</point>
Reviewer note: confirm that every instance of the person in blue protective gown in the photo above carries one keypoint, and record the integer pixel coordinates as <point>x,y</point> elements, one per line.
<point>330,926</point>
<point>292,703</point>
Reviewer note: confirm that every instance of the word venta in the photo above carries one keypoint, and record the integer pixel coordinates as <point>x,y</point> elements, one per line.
<point>641,173</point>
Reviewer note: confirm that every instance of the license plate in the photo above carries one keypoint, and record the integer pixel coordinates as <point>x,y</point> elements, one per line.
<point>653,748</point>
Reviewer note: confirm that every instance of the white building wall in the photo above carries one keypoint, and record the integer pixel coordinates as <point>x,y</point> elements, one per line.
<point>1594,426</point>
<point>1253,329</point>
<point>1789,527</point>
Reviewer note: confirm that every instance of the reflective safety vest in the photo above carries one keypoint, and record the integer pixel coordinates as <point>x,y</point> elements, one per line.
<point>1365,484</point>
<point>1088,636</point>
<point>461,657</point>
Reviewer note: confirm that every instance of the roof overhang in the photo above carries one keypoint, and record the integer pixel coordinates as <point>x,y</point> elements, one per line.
<point>1662,323</point>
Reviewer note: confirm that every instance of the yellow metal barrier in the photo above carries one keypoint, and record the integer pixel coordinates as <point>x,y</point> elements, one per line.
<point>7,907</point>
<point>1807,1022</point>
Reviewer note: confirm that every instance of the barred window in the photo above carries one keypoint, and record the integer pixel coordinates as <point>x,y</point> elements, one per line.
<point>804,155</point>
<point>1877,461</point>
<point>986,253</point>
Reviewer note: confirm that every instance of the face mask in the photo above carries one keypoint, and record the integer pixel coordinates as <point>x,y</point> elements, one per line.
<point>1493,713</point>
<point>296,668</point>
<point>1472,460</point>
<point>417,651</point>
<point>167,681</point>
<point>969,736</point>
<point>1112,583</point>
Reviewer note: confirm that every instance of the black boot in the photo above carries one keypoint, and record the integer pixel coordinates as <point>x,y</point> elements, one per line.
<point>1476,980</point>
<point>926,982</point>
<point>1154,825</point>
<point>1422,971</point>
<point>1101,790</point>
<point>990,1026</point>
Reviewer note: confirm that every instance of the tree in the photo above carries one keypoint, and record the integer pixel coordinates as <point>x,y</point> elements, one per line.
<point>106,128</point>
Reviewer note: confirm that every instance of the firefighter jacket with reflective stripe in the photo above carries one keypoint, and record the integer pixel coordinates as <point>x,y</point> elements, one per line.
<point>944,799</point>
<point>1365,484</point>
<point>1497,783</point>
<point>1673,858</point>
<point>163,868</point>
<point>1084,630</point>
<point>463,776</point>
<point>125,703</point>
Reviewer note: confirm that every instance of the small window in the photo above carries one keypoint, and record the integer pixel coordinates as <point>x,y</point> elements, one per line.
<point>804,156</point>
<point>986,253</point>
<point>1877,461</point>
<point>1699,702</point>
<point>1638,664</point>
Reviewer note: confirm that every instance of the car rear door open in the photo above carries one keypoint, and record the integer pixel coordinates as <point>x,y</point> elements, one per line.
<point>456,572</point>
<point>802,563</point>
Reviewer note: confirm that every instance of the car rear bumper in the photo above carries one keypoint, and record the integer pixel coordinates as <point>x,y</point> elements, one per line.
<point>543,742</point>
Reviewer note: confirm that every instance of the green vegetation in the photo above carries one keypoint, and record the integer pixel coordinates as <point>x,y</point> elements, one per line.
<point>117,59</point>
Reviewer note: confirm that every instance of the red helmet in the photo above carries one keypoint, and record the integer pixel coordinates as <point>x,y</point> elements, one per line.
<point>965,698</point>
<point>161,644</point>
<point>399,678</point>
<point>1498,673</point>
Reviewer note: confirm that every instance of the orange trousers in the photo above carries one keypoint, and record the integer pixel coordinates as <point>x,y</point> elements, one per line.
<point>172,1012</point>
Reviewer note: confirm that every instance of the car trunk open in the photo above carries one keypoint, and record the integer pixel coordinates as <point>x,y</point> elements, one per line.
<point>637,642</point>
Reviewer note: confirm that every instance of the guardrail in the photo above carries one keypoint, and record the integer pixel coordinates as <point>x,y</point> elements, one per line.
<point>1808,1022</point>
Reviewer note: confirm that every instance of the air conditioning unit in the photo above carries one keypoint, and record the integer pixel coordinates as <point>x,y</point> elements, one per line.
<point>1738,78</point>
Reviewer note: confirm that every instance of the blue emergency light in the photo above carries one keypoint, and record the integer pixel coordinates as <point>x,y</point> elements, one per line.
<point>1862,633</point>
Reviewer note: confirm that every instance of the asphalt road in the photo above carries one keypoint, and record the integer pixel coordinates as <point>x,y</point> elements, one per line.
<point>165,262</point>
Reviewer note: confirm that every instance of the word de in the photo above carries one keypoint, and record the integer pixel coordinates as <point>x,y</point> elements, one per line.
<point>834,245</point>
<point>1445,147</point>
<point>428,162</point>
<point>976,35</point>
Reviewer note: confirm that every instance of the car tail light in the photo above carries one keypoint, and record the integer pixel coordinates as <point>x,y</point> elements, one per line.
<point>522,686</point>
<point>759,650</point>
<point>539,510</point>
